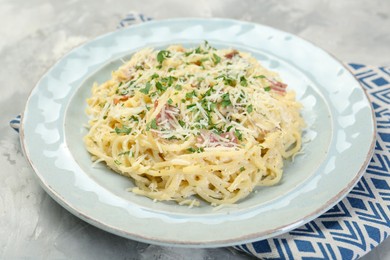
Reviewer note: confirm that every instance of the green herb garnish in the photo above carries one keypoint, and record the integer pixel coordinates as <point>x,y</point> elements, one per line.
<point>168,80</point>
<point>162,55</point>
<point>198,50</point>
<point>191,106</point>
<point>123,130</point>
<point>146,89</point>
<point>249,108</point>
<point>216,59</point>
<point>125,153</point>
<point>238,134</point>
<point>160,87</point>
<point>228,129</point>
<point>226,100</point>
<point>153,123</point>
<point>208,92</point>
<point>154,76</point>
<point>117,162</point>
<point>181,123</point>
<point>191,94</point>
<point>243,81</point>
<point>227,80</point>
<point>193,150</point>
<point>134,118</point>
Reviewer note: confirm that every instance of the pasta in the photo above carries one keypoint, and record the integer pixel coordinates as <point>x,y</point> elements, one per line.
<point>194,123</point>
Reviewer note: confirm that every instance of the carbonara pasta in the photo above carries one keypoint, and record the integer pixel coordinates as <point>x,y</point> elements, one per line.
<point>201,121</point>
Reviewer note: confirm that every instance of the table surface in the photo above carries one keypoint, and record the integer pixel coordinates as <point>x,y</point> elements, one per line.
<point>34,34</point>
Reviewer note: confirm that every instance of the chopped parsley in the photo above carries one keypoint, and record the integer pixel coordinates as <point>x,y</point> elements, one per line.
<point>238,134</point>
<point>208,92</point>
<point>191,106</point>
<point>249,108</point>
<point>123,130</point>
<point>227,80</point>
<point>153,123</point>
<point>162,55</point>
<point>242,169</point>
<point>160,87</point>
<point>226,100</point>
<point>154,76</point>
<point>213,106</point>
<point>216,59</point>
<point>134,118</point>
<point>146,89</point>
<point>267,88</point>
<point>191,94</point>
<point>125,153</point>
<point>243,81</point>
<point>259,77</point>
<point>193,150</point>
<point>168,80</point>
<point>181,123</point>
<point>170,101</point>
<point>198,50</point>
<point>131,82</point>
<point>117,162</point>
<point>188,53</point>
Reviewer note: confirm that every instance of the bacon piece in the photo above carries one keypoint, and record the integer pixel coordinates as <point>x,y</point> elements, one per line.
<point>166,113</point>
<point>198,63</point>
<point>278,86</point>
<point>230,136</point>
<point>117,100</point>
<point>231,54</point>
<point>216,139</point>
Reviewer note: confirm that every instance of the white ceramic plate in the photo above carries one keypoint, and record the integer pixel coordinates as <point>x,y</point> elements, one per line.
<point>338,113</point>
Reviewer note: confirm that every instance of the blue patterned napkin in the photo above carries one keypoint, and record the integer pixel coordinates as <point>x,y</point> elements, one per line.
<point>361,221</point>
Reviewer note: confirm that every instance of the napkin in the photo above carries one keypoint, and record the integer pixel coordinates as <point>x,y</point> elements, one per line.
<point>361,220</point>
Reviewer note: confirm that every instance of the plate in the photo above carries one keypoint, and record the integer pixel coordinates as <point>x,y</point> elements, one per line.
<point>338,141</point>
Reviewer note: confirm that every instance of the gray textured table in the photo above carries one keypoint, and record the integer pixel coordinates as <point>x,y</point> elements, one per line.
<point>34,34</point>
